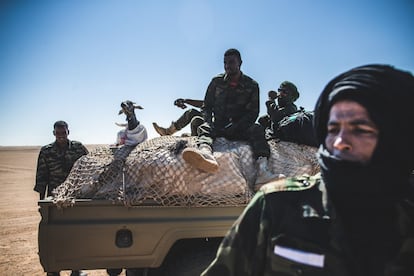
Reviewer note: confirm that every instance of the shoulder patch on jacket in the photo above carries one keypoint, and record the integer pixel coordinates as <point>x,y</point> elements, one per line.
<point>246,78</point>
<point>291,184</point>
<point>219,76</point>
<point>47,147</point>
<point>76,143</point>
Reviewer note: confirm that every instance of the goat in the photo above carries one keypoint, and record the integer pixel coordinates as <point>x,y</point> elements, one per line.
<point>134,133</point>
<point>128,108</point>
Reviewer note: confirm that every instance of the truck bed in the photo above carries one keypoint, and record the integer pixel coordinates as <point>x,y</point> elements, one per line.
<point>98,234</point>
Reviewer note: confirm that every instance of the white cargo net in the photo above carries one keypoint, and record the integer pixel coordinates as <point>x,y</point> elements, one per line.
<point>154,171</point>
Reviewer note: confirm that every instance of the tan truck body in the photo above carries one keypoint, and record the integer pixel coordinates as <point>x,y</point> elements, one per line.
<point>98,234</point>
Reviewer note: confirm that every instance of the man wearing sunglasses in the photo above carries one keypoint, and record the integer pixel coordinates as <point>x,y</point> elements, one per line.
<point>286,96</point>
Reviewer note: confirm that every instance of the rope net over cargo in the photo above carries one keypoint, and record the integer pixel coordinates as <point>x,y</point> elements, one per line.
<point>155,171</point>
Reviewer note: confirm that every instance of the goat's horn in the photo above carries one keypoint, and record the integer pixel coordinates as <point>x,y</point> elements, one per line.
<point>121,124</point>
<point>138,106</point>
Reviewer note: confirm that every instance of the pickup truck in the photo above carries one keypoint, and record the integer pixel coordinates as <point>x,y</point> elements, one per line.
<point>159,240</point>
<point>144,209</point>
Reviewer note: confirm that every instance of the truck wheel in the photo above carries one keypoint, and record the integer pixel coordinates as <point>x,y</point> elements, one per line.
<point>114,271</point>
<point>142,272</point>
<point>134,272</point>
<point>191,261</point>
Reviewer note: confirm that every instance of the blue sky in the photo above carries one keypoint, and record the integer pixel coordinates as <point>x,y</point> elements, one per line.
<point>78,60</point>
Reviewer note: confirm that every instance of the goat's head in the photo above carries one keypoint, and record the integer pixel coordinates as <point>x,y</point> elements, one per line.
<point>128,107</point>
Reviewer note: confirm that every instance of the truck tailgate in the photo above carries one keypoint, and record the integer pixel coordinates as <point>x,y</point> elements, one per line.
<point>98,234</point>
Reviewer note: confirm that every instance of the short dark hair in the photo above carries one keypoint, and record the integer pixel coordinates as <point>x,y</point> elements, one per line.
<point>291,89</point>
<point>233,51</point>
<point>60,124</point>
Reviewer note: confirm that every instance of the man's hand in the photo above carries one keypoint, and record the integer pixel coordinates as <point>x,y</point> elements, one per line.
<point>180,103</point>
<point>272,95</point>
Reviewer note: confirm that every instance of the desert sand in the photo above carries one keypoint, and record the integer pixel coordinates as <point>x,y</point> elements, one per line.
<point>19,216</point>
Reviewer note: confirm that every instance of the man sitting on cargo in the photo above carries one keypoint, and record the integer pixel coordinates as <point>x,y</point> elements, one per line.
<point>231,107</point>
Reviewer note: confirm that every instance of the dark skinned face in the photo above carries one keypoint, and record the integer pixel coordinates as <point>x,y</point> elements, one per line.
<point>232,65</point>
<point>61,134</point>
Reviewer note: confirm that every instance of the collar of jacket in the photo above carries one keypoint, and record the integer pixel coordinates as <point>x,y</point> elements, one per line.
<point>241,81</point>
<point>55,145</point>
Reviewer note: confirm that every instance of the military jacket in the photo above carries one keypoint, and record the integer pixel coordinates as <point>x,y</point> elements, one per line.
<point>286,230</point>
<point>54,165</point>
<point>224,104</point>
<point>277,113</point>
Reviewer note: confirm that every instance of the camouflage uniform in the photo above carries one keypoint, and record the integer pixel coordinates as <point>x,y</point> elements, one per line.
<point>284,107</point>
<point>193,116</point>
<point>237,106</point>
<point>54,165</point>
<point>277,113</point>
<point>293,214</point>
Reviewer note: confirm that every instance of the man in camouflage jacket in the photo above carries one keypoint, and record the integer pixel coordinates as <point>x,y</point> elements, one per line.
<point>286,96</point>
<point>231,107</point>
<point>56,160</point>
<point>355,218</point>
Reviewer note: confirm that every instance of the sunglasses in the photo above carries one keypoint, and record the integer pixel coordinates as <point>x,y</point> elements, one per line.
<point>283,91</point>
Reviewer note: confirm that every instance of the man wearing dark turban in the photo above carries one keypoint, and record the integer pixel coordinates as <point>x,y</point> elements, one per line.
<point>357,216</point>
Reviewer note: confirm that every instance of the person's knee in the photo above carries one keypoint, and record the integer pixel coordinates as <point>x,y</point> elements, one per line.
<point>196,122</point>
<point>255,131</point>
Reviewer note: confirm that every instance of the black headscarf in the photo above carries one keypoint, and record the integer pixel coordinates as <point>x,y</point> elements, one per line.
<point>364,196</point>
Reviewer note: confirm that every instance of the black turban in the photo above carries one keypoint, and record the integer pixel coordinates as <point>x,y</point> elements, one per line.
<point>388,95</point>
<point>364,196</point>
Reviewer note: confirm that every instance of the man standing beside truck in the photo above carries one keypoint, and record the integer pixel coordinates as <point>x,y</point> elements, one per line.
<point>56,160</point>
<point>54,164</point>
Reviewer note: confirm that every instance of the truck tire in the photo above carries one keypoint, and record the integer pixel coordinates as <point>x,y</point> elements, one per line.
<point>191,260</point>
<point>134,272</point>
<point>142,272</point>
